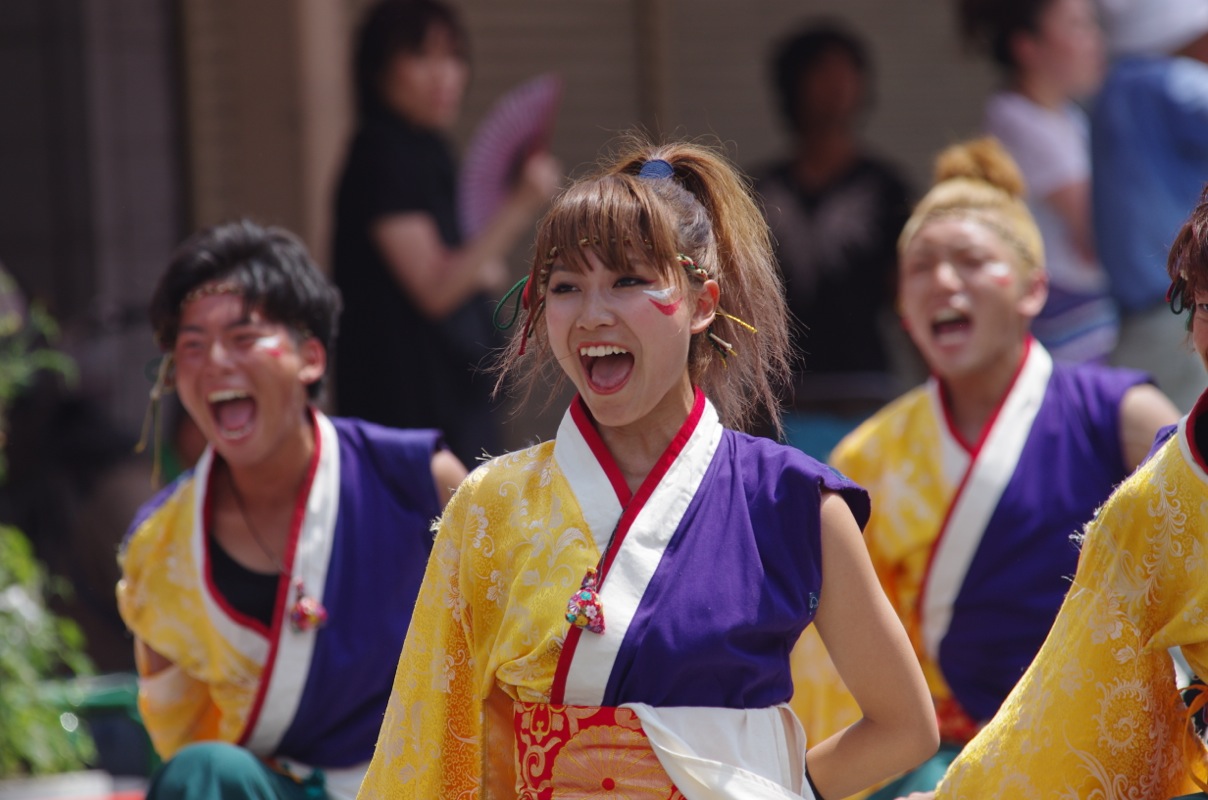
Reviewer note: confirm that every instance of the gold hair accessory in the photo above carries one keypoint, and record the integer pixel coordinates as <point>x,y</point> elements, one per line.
<point>738,321</point>
<point>724,348</point>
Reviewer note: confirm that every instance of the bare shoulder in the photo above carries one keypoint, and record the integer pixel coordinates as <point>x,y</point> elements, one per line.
<point>1144,410</point>
<point>447,473</point>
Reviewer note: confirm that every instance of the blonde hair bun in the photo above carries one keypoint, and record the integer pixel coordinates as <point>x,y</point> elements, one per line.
<point>979,179</point>
<point>984,160</point>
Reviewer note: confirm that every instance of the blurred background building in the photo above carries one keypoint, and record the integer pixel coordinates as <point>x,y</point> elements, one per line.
<point>128,123</point>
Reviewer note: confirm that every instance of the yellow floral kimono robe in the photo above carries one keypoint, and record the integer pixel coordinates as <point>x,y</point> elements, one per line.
<point>1098,714</point>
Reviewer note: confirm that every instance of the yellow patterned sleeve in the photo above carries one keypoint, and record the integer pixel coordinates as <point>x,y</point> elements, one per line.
<point>895,455</point>
<point>430,743</point>
<point>176,709</point>
<point>1098,713</point>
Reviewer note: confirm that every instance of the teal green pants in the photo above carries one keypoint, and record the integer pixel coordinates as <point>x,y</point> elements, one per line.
<point>220,771</point>
<point>923,778</point>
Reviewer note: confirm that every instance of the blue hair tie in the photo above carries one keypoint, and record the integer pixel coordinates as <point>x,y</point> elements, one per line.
<point>656,168</point>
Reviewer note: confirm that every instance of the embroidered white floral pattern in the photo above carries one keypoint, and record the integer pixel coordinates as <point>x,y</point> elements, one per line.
<point>1101,694</point>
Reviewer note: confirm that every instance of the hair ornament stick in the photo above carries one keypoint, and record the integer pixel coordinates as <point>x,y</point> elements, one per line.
<point>737,321</point>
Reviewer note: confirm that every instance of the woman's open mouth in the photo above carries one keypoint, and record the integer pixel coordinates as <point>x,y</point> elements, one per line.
<point>607,367</point>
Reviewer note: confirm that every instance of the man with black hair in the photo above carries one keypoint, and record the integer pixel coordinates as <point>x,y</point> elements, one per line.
<point>270,588</point>
<point>835,211</point>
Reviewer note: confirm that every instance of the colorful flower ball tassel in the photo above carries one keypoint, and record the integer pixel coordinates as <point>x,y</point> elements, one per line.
<point>585,610</point>
<point>308,613</point>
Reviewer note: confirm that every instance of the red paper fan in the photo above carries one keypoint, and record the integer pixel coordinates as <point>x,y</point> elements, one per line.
<point>520,123</point>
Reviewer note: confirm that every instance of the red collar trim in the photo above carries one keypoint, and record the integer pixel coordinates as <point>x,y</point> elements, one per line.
<point>1198,411</point>
<point>974,448</point>
<point>280,612</point>
<point>631,506</point>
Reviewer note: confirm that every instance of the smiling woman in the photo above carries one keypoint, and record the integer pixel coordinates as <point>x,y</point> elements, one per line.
<point>597,322</point>
<point>565,642</point>
<point>1100,712</point>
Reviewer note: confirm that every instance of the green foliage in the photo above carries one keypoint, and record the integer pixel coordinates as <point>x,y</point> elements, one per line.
<point>36,736</point>
<point>25,353</point>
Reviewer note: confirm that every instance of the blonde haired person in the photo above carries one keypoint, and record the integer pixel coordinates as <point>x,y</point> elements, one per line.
<point>689,556</point>
<point>981,475</point>
<point>1099,713</point>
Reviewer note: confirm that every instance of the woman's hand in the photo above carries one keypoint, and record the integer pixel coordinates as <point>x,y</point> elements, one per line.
<point>539,179</point>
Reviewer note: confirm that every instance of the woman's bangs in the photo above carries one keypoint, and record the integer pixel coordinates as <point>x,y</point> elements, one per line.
<point>605,217</point>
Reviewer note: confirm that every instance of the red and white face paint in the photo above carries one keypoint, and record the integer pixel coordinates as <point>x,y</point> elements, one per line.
<point>966,301</point>
<point>241,377</point>
<point>665,300</point>
<point>622,337</point>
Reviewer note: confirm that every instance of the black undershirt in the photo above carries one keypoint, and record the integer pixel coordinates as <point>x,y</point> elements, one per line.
<point>253,594</point>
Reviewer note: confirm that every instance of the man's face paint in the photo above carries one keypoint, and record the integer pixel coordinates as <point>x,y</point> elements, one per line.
<point>270,344</point>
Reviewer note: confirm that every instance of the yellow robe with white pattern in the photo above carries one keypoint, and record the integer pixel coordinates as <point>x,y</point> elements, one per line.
<point>1098,713</point>
<point>209,690</point>
<point>518,510</point>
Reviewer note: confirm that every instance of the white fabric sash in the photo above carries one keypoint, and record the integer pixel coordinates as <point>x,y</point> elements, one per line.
<point>341,783</point>
<point>287,661</point>
<point>724,753</point>
<point>249,642</point>
<point>287,672</point>
<point>642,548</point>
<point>979,492</point>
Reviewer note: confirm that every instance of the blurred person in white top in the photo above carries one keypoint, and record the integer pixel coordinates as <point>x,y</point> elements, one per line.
<point>1051,54</point>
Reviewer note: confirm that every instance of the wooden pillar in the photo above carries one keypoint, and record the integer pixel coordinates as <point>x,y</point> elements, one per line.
<point>654,79</point>
<point>267,111</point>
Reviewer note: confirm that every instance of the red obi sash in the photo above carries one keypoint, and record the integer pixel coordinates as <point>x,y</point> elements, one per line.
<point>582,751</point>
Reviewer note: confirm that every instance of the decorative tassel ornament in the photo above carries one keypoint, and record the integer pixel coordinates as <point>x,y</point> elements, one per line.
<point>307,613</point>
<point>585,609</point>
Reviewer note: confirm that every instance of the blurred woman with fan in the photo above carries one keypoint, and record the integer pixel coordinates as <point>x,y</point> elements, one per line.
<point>417,308</point>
